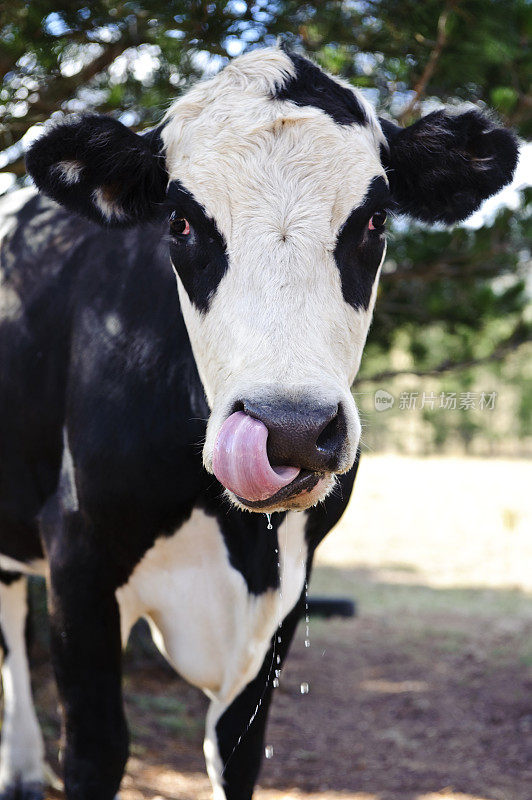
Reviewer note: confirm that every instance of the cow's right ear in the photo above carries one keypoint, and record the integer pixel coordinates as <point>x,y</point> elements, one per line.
<point>97,167</point>
<point>443,166</point>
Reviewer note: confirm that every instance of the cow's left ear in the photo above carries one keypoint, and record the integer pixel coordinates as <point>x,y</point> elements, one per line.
<point>441,168</point>
<point>96,166</point>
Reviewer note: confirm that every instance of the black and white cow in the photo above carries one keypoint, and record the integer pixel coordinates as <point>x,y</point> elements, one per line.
<point>264,193</point>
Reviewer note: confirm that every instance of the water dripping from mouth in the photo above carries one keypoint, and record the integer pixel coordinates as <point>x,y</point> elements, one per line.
<point>304,686</point>
<point>307,618</point>
<point>275,660</point>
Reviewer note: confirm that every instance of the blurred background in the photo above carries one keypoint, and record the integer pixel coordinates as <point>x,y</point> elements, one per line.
<point>427,693</point>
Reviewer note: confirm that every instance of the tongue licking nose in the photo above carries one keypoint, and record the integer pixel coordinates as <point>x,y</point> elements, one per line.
<point>240,461</point>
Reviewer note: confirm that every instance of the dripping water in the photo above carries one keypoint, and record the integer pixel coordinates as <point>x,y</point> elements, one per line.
<point>304,686</point>
<point>307,618</point>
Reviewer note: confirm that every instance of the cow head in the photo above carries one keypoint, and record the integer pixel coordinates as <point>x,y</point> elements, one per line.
<point>275,180</point>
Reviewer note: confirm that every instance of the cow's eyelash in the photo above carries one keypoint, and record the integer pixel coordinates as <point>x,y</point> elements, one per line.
<point>388,204</point>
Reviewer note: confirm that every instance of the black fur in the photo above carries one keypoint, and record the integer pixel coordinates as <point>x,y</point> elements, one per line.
<point>441,168</point>
<point>258,564</point>
<point>7,577</point>
<point>242,754</point>
<point>358,251</point>
<point>199,258</point>
<point>312,87</point>
<point>102,350</point>
<point>129,169</point>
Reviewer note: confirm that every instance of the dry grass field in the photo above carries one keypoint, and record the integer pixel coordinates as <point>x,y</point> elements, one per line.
<point>425,695</point>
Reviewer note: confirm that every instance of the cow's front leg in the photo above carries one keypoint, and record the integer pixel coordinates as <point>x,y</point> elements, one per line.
<point>234,741</point>
<point>86,654</point>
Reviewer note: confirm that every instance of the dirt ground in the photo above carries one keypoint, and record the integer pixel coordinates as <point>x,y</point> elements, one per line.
<point>426,694</point>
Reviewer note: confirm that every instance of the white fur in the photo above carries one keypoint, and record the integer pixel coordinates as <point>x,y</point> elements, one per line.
<point>36,567</point>
<point>280,181</point>
<point>10,303</point>
<point>68,171</point>
<point>203,619</point>
<point>10,204</point>
<point>13,202</point>
<point>110,210</point>
<point>202,616</point>
<point>67,478</point>
<point>22,749</point>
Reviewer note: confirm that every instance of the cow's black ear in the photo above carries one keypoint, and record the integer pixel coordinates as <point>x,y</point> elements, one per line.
<point>441,168</point>
<point>96,166</point>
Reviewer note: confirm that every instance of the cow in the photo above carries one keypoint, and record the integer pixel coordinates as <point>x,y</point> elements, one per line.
<point>183,314</point>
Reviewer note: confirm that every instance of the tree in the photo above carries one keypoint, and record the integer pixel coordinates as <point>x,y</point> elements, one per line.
<point>462,291</point>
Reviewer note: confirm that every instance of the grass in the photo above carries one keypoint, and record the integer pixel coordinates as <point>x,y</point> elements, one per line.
<point>163,712</point>
<point>429,536</point>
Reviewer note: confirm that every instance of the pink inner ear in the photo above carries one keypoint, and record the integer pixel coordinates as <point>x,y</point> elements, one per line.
<point>371,226</point>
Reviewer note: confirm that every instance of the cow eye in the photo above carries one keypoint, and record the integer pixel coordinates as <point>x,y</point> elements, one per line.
<point>179,226</point>
<point>377,221</point>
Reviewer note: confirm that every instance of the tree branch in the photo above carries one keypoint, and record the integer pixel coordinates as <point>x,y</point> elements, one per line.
<point>63,87</point>
<point>18,167</point>
<point>58,87</point>
<point>428,72</point>
<point>448,365</point>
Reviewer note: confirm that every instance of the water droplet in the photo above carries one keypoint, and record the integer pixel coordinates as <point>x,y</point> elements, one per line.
<point>279,639</point>
<point>275,683</point>
<point>278,659</point>
<point>268,751</point>
<point>307,618</point>
<point>270,527</point>
<point>304,688</point>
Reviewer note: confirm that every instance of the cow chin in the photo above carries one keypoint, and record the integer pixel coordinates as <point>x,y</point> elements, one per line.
<point>306,491</point>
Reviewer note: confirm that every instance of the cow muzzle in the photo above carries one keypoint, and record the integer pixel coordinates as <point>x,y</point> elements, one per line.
<point>278,455</point>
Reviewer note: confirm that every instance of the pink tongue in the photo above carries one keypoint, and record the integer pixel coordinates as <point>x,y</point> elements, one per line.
<point>240,461</point>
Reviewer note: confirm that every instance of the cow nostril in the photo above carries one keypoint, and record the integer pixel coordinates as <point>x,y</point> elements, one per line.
<point>308,436</point>
<point>238,405</point>
<point>331,438</point>
<point>328,436</point>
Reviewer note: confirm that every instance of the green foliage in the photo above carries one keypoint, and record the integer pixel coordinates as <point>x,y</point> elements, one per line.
<point>446,297</point>
<point>458,282</point>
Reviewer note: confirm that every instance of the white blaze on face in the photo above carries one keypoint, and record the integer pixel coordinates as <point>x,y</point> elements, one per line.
<point>280,181</point>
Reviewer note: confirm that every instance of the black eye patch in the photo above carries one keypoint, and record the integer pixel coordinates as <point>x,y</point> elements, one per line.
<point>200,258</point>
<point>358,251</point>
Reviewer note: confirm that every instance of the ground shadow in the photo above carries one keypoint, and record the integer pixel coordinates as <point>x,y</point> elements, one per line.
<point>426,689</point>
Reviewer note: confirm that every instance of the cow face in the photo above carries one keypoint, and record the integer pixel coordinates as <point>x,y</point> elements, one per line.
<point>275,181</point>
